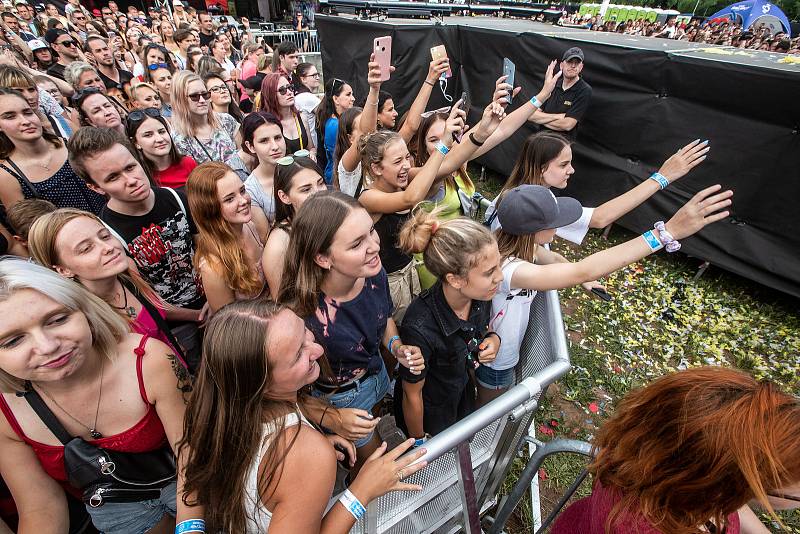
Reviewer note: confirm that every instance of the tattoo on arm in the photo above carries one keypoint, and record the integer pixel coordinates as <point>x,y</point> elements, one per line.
<point>185,380</point>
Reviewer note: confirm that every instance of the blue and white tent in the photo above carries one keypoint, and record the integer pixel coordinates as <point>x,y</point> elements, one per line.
<point>750,12</point>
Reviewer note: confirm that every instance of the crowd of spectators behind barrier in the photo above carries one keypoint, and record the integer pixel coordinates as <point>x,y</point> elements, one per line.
<point>723,33</point>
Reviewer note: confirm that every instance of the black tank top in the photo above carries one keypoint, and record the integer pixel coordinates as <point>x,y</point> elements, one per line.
<point>388,228</point>
<point>301,143</point>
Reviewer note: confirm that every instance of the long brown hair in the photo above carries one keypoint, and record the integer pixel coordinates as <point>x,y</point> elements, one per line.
<point>698,445</point>
<point>419,150</point>
<point>313,229</point>
<point>217,243</point>
<point>229,406</point>
<point>537,152</point>
<point>7,145</point>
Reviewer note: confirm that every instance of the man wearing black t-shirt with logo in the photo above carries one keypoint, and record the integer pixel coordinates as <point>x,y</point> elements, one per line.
<point>154,224</point>
<point>570,99</point>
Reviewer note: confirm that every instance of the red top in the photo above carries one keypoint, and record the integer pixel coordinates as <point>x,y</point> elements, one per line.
<point>175,176</point>
<point>146,435</point>
<point>588,516</point>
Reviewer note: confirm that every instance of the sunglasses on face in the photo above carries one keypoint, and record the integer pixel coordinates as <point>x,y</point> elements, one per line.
<point>69,42</point>
<point>288,160</point>
<point>434,112</point>
<point>283,89</point>
<point>195,97</point>
<point>156,66</point>
<point>141,114</point>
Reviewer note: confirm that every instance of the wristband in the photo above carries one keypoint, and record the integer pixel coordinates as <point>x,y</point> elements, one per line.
<point>474,141</point>
<point>418,442</point>
<point>488,334</point>
<point>190,525</point>
<point>652,241</point>
<point>352,504</point>
<point>536,103</point>
<point>442,148</point>
<point>670,243</point>
<point>391,342</point>
<point>661,179</point>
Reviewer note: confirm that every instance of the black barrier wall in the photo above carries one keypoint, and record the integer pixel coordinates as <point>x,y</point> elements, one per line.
<point>646,104</point>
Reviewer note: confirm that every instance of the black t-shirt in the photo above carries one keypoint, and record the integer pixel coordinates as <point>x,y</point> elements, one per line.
<point>161,245</point>
<point>125,78</point>
<point>57,70</point>
<point>205,39</point>
<point>433,326</point>
<point>573,102</point>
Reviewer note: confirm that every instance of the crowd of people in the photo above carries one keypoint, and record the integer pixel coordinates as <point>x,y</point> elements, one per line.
<point>219,273</point>
<point>721,32</point>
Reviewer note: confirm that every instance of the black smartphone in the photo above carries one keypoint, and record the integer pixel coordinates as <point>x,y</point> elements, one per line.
<point>463,106</point>
<point>602,293</point>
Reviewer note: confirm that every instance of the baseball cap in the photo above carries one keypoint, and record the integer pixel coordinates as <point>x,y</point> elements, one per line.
<point>529,208</point>
<point>572,53</point>
<point>177,3</point>
<point>254,82</point>
<point>53,34</point>
<point>36,44</point>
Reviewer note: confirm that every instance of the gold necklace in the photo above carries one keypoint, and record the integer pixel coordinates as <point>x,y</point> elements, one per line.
<point>46,166</point>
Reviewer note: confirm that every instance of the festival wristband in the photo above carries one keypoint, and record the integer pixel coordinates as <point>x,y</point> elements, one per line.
<point>661,179</point>
<point>442,148</point>
<point>536,103</point>
<point>652,241</point>
<point>391,342</point>
<point>190,525</point>
<point>670,243</point>
<point>352,504</point>
<point>418,442</point>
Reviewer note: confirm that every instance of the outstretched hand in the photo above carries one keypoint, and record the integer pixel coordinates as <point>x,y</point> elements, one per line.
<point>551,78</point>
<point>702,210</point>
<point>383,473</point>
<point>684,160</point>
<point>374,72</point>
<point>493,114</point>
<point>502,90</point>
<point>454,124</point>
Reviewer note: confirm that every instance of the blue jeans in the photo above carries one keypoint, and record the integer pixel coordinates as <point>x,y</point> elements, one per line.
<point>494,379</point>
<point>367,393</point>
<point>134,517</point>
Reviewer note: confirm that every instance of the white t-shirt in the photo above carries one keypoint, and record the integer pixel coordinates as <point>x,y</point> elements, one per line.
<point>263,199</point>
<point>511,309</point>
<point>306,103</point>
<point>348,180</point>
<point>574,232</point>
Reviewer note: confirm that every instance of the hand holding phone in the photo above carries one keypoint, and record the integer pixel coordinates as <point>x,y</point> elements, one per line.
<point>463,105</point>
<point>383,56</point>
<point>509,70</point>
<point>602,293</point>
<point>440,52</point>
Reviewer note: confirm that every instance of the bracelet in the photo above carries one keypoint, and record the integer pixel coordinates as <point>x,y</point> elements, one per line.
<point>661,179</point>
<point>474,141</point>
<point>442,148</point>
<point>432,84</point>
<point>321,419</point>
<point>352,504</point>
<point>652,241</point>
<point>493,334</point>
<point>670,243</point>
<point>391,342</point>
<point>536,103</point>
<point>190,525</point>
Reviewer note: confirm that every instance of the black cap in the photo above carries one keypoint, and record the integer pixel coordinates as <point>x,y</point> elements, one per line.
<point>527,209</point>
<point>53,34</point>
<point>254,82</point>
<point>573,53</point>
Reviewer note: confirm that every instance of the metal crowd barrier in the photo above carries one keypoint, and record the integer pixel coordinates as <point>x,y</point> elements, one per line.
<point>306,41</point>
<point>469,461</point>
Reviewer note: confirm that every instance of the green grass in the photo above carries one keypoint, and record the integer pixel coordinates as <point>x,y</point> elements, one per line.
<point>661,320</point>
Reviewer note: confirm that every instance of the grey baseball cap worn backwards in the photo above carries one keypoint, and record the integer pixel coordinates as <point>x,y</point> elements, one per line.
<point>526,209</point>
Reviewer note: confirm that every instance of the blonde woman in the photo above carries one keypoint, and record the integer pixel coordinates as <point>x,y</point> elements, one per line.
<point>198,130</point>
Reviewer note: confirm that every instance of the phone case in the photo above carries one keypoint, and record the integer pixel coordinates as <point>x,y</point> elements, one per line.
<point>383,55</point>
<point>439,52</point>
<point>509,69</point>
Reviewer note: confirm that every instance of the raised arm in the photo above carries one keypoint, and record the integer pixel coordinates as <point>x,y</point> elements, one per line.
<point>368,121</point>
<point>414,117</point>
<point>676,166</point>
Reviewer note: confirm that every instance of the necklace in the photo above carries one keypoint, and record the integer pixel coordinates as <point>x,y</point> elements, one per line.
<point>46,166</point>
<point>93,429</point>
<point>130,311</point>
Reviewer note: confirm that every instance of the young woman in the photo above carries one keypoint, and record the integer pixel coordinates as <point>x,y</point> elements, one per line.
<point>200,132</point>
<point>219,52</point>
<point>449,322</point>
<point>716,440</point>
<point>262,137</point>
<point>193,55</point>
<point>78,246</point>
<point>305,96</point>
<point>34,162</point>
<point>258,357</point>
<point>296,178</point>
<point>529,216</point>
<point>167,30</point>
<point>338,98</point>
<point>334,279</point>
<point>98,110</point>
<point>277,97</point>
<point>162,82</point>
<point>110,387</point>
<point>231,235</point>
<point>144,95</point>
<point>153,55</point>
<point>221,99</point>
<point>149,133</point>
<point>48,105</point>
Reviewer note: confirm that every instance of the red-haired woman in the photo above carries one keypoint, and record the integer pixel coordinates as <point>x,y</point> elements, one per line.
<point>686,455</point>
<point>277,97</point>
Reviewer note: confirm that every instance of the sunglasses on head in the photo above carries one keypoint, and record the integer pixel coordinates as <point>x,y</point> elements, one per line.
<point>333,84</point>
<point>283,89</point>
<point>195,97</point>
<point>141,114</point>
<point>86,91</point>
<point>288,160</point>
<point>434,112</point>
<point>156,66</point>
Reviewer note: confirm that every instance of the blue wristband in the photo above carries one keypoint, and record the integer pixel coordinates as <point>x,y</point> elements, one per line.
<point>441,148</point>
<point>652,241</point>
<point>661,179</point>
<point>536,103</point>
<point>190,525</point>
<point>391,342</point>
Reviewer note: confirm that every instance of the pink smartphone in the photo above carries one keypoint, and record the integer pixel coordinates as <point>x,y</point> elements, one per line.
<point>383,55</point>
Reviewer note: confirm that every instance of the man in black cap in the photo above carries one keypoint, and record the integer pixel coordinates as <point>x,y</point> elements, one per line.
<point>65,45</point>
<point>570,99</point>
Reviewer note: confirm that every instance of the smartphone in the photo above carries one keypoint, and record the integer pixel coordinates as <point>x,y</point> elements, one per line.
<point>439,52</point>
<point>383,55</point>
<point>602,293</point>
<point>509,70</point>
<point>464,106</point>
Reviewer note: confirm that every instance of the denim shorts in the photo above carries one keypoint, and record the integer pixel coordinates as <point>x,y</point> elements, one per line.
<point>367,393</point>
<point>134,517</point>
<point>490,378</point>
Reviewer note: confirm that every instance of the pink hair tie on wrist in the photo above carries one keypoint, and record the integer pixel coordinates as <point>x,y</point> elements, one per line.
<point>434,227</point>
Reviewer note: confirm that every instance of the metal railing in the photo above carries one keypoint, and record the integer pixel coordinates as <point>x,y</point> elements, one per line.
<point>469,461</point>
<point>306,41</point>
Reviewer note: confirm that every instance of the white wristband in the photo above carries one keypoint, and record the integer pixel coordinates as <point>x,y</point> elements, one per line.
<point>536,103</point>
<point>352,504</point>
